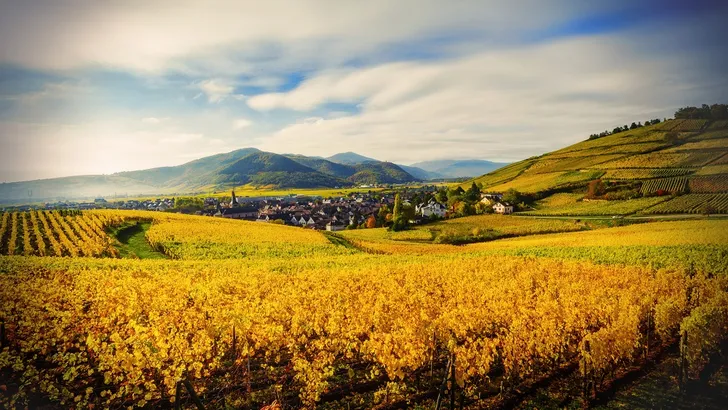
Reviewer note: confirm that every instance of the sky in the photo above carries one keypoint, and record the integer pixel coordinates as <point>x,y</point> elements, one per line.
<point>91,87</point>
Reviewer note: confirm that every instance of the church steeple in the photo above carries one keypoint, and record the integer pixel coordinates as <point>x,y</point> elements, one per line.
<point>234,201</point>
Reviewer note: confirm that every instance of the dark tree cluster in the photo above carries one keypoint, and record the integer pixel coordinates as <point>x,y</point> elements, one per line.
<point>625,127</point>
<point>706,112</point>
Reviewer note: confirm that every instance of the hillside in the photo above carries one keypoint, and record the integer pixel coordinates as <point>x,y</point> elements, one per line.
<point>449,168</point>
<point>687,157</point>
<point>240,167</point>
<point>350,158</point>
<point>369,172</point>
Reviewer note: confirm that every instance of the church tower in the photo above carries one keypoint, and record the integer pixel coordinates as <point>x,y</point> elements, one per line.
<point>234,201</point>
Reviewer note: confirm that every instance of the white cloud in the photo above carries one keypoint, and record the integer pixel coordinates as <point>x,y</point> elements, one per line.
<point>216,89</point>
<point>502,104</point>
<point>160,35</point>
<point>241,123</point>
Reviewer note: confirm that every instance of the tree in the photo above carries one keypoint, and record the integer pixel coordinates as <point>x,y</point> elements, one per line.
<point>371,222</point>
<point>672,138</point>
<point>473,193</point>
<point>719,112</point>
<point>382,215</point>
<point>441,196</point>
<point>399,220</point>
<point>512,196</point>
<point>397,206</point>
<point>595,189</point>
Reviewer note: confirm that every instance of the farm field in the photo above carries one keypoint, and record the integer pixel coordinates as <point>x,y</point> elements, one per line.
<point>477,228</point>
<point>692,203</point>
<point>595,208</point>
<point>247,330</point>
<point>539,182</point>
<point>677,184</point>
<point>689,149</point>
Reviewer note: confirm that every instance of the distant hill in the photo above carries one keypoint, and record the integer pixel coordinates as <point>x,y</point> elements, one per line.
<point>350,158</point>
<point>680,156</point>
<point>421,174</point>
<point>449,168</point>
<point>240,167</point>
<point>368,172</point>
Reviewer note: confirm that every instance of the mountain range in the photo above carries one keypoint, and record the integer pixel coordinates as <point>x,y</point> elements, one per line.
<point>240,167</point>
<point>465,168</point>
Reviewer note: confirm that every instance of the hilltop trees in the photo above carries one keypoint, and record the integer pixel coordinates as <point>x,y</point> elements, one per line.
<point>705,112</point>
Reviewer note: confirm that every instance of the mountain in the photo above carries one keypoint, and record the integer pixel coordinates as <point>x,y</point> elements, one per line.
<point>684,155</point>
<point>420,173</point>
<point>449,168</point>
<point>221,171</point>
<point>350,158</point>
<point>380,172</point>
<point>190,173</point>
<point>368,172</point>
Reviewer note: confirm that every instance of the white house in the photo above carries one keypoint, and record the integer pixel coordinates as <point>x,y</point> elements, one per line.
<point>431,208</point>
<point>335,226</point>
<point>503,208</point>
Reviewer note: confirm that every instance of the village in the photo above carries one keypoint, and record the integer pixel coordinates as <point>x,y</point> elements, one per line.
<point>367,209</point>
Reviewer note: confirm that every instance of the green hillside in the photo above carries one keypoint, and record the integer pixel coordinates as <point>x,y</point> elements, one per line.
<point>647,169</point>
<point>247,166</point>
<point>369,172</point>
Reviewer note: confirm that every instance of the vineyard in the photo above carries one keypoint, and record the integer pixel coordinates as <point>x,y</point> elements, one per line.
<point>594,208</point>
<point>469,229</point>
<point>249,331</point>
<point>663,160</point>
<point>716,143</point>
<point>666,185</point>
<point>683,125</point>
<point>52,233</point>
<point>692,203</point>
<point>713,170</point>
<point>709,184</point>
<point>718,124</point>
<point>645,173</point>
<point>539,182</point>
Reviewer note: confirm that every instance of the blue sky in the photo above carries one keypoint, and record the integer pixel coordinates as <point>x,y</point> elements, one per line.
<point>89,88</point>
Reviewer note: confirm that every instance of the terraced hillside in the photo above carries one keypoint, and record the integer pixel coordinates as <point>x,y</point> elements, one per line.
<point>669,159</point>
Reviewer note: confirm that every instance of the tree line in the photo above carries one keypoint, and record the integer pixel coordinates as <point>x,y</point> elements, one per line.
<point>625,127</point>
<point>705,112</point>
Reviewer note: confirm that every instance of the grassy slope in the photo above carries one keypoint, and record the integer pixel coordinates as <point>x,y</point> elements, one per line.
<point>635,155</point>
<point>642,150</point>
<point>133,243</point>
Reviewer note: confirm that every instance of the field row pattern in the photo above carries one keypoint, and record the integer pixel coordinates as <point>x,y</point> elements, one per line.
<point>709,184</point>
<point>678,184</point>
<point>134,329</point>
<point>48,233</point>
<point>645,173</point>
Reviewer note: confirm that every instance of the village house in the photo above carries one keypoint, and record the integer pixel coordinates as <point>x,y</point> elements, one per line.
<point>334,226</point>
<point>490,199</point>
<point>431,208</point>
<point>241,212</point>
<point>504,208</point>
